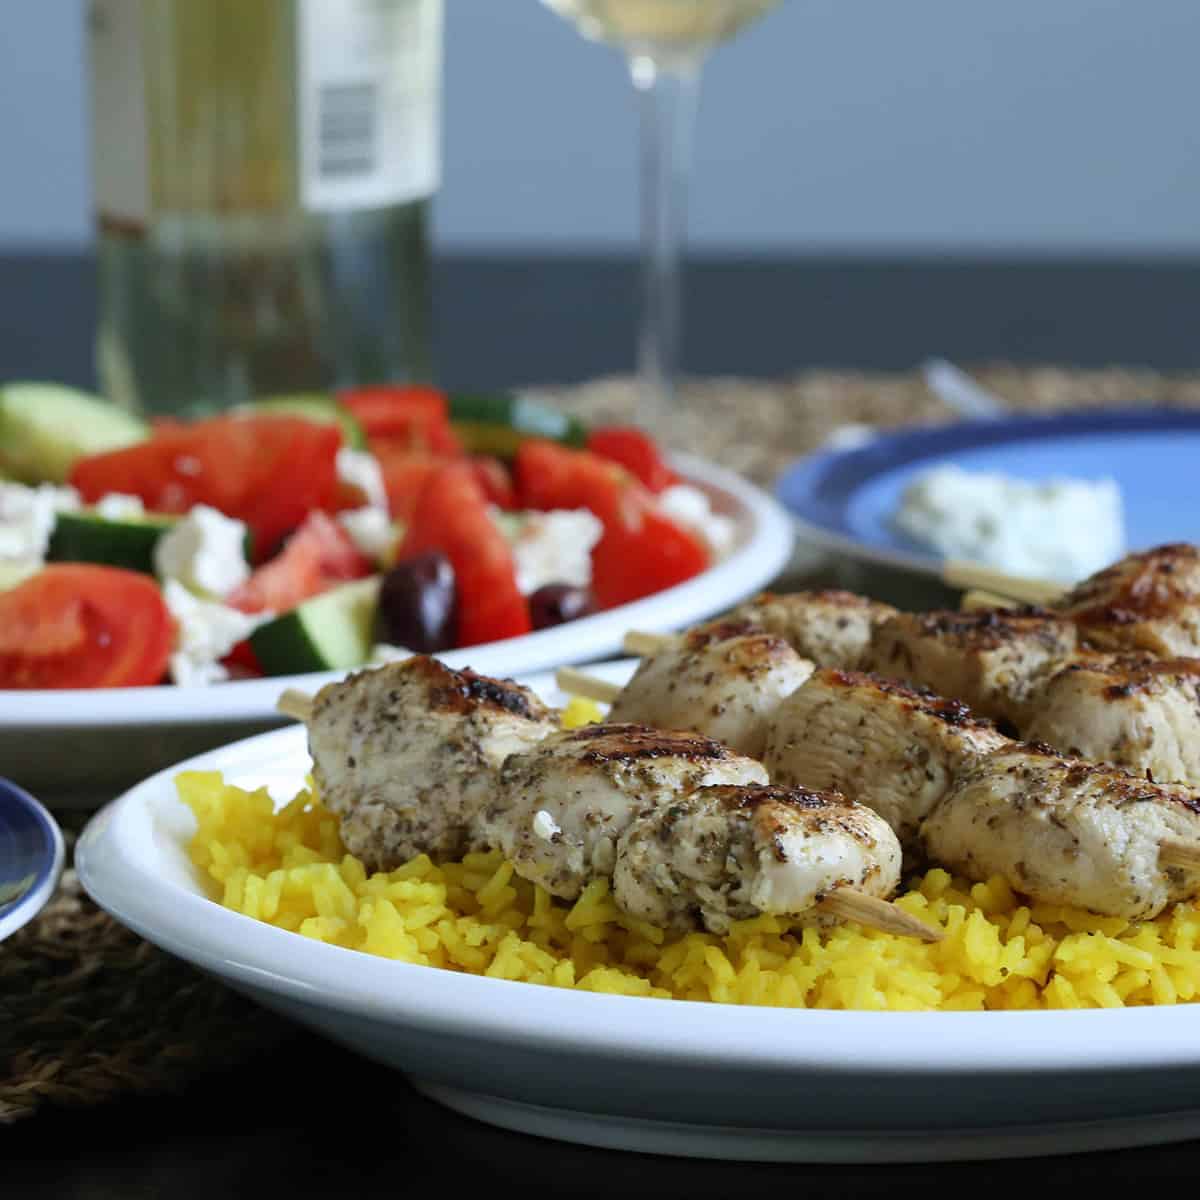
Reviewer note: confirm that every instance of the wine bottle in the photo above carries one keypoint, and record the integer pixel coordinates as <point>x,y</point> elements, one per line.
<point>263,174</point>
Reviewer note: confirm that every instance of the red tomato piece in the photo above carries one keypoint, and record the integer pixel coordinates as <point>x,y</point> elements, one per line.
<point>317,556</point>
<point>405,474</point>
<point>411,417</point>
<point>495,480</point>
<point>452,516</point>
<point>243,663</point>
<point>79,625</point>
<point>636,451</point>
<point>269,471</point>
<point>642,550</point>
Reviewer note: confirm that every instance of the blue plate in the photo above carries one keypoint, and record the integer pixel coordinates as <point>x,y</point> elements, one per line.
<point>844,499</point>
<point>31,857</point>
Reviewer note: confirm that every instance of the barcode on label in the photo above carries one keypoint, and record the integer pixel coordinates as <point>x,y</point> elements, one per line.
<point>368,84</point>
<point>347,129</point>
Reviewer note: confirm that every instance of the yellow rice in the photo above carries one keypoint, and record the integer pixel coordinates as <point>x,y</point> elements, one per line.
<point>289,868</point>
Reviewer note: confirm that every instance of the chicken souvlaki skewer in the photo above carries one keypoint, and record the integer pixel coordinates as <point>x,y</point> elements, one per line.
<point>1072,832</point>
<point>1101,677</point>
<point>415,757</point>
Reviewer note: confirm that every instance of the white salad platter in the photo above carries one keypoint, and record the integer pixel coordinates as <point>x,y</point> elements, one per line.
<point>662,1076</point>
<point>82,747</point>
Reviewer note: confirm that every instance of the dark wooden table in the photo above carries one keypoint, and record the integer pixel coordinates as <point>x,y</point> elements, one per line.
<point>314,1119</point>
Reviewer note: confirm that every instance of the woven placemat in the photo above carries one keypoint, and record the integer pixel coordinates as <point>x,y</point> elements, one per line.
<point>757,427</point>
<point>90,1012</point>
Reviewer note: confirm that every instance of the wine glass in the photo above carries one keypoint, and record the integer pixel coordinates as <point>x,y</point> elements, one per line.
<point>666,42</point>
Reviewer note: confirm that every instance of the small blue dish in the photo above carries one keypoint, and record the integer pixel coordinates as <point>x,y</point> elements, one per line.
<point>845,499</point>
<point>31,857</point>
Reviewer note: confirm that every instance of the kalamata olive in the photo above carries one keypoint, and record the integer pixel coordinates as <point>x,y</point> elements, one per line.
<point>418,604</point>
<point>557,603</point>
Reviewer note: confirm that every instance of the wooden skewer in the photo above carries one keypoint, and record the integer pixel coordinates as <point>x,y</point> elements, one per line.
<point>958,574</point>
<point>976,599</point>
<point>294,703</point>
<point>645,644</point>
<point>1178,854</point>
<point>878,914</point>
<point>579,683</point>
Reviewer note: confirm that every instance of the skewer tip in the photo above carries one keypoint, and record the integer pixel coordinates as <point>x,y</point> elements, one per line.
<point>878,914</point>
<point>643,644</point>
<point>294,703</point>
<point>579,683</point>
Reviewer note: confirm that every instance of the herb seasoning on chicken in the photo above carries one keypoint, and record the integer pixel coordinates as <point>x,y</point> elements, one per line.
<point>1066,831</point>
<point>725,854</point>
<point>890,747</point>
<point>1148,601</point>
<point>832,628</point>
<point>407,755</point>
<point>724,680</point>
<point>560,806</point>
<point>1140,713</point>
<point>990,659</point>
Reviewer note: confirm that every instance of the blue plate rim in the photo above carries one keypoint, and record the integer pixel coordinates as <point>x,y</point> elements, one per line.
<point>50,869</point>
<point>815,488</point>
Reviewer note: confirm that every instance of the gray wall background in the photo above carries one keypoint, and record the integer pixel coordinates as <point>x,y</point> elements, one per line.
<point>1019,126</point>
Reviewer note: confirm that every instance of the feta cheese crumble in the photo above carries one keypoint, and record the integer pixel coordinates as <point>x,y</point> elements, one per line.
<point>1057,529</point>
<point>371,530</point>
<point>27,516</point>
<point>206,631</point>
<point>362,470</point>
<point>551,547</point>
<point>205,551</point>
<point>118,506</point>
<point>691,508</point>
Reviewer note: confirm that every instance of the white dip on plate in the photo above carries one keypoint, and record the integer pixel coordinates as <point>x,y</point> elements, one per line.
<point>1057,529</point>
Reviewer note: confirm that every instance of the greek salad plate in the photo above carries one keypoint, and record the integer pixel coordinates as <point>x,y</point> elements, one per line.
<point>31,857</point>
<point>663,1076</point>
<point>847,499</point>
<point>80,748</point>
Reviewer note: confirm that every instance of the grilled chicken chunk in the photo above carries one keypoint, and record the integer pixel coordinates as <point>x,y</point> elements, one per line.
<point>831,628</point>
<point>724,680</point>
<point>1065,831</point>
<point>559,807</point>
<point>1148,601</point>
<point>724,854</point>
<point>890,747</point>
<point>406,755</point>
<point>991,659</point>
<point>1138,712</point>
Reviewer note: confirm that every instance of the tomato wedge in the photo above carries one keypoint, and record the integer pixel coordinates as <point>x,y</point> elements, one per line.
<point>642,550</point>
<point>317,556</point>
<point>269,471</point>
<point>452,516</point>
<point>409,417</point>
<point>495,480</point>
<point>77,625</point>
<point>636,451</point>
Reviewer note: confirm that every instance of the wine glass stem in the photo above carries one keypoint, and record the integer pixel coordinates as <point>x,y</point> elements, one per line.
<point>667,92</point>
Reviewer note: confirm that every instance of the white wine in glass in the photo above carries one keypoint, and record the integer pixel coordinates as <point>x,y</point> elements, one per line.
<point>666,42</point>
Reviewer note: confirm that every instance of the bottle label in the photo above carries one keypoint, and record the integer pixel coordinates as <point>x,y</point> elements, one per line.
<point>119,167</point>
<point>368,100</point>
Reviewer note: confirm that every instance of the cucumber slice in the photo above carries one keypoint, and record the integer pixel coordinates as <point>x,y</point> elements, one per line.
<point>314,407</point>
<point>45,427</point>
<point>497,422</point>
<point>89,537</point>
<point>14,573</point>
<point>330,632</point>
